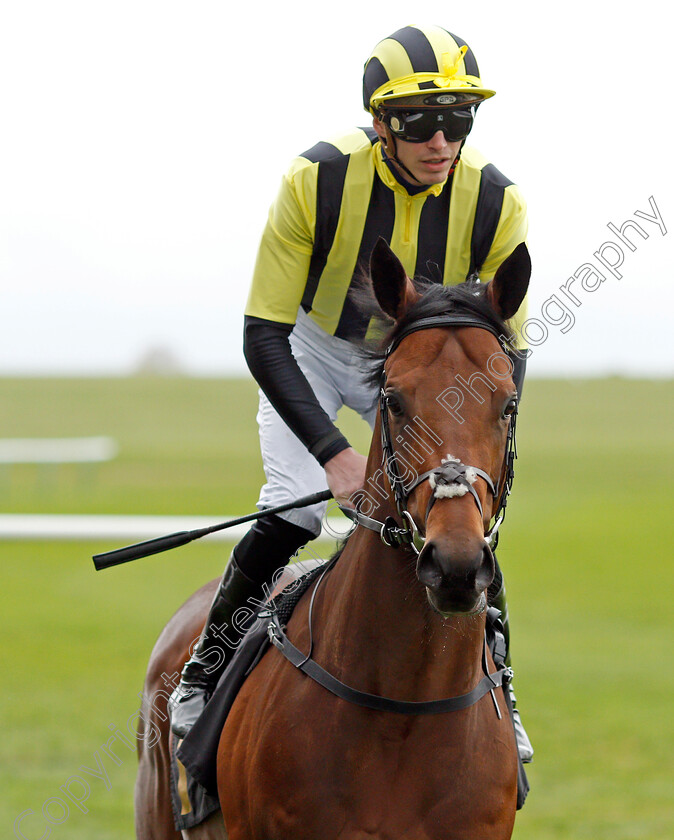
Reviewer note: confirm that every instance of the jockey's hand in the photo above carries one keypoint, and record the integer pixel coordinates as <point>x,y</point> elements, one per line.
<point>346,474</point>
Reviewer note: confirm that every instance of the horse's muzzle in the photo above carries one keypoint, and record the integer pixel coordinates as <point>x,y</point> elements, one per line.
<point>456,576</point>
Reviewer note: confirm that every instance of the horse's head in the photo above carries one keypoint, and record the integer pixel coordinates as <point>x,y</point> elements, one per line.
<point>448,403</point>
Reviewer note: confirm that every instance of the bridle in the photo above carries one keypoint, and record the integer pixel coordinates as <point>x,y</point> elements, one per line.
<point>449,474</point>
<point>452,475</point>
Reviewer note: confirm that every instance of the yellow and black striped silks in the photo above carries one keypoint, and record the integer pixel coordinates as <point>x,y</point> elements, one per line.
<point>340,196</point>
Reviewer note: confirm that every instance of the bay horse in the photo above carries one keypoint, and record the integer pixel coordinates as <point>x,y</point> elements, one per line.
<point>399,618</point>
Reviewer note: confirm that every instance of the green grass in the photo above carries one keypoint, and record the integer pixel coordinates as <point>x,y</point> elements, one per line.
<point>589,579</point>
<point>187,446</point>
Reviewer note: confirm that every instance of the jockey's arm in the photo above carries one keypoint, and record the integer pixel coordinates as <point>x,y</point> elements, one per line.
<point>270,359</point>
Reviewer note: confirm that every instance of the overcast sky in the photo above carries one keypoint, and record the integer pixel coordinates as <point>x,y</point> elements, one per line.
<point>144,141</point>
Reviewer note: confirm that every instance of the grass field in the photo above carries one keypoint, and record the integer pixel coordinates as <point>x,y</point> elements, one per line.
<point>584,551</point>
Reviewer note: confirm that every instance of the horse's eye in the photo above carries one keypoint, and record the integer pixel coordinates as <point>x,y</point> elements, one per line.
<point>394,405</point>
<point>510,408</point>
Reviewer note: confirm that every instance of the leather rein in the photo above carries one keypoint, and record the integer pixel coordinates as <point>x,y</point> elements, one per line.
<point>449,473</point>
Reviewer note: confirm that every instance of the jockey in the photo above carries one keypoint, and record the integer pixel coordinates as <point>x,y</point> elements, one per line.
<point>447,213</point>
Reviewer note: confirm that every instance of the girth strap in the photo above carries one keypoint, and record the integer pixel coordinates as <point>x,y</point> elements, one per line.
<point>373,701</point>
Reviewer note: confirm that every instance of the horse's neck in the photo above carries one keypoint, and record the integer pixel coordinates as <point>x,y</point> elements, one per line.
<point>375,622</point>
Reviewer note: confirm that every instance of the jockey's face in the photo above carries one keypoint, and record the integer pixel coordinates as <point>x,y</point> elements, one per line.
<point>429,162</point>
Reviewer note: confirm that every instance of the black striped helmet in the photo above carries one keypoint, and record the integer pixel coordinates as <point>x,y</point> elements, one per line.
<point>419,59</point>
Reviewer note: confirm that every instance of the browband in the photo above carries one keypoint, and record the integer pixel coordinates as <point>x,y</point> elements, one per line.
<point>449,319</point>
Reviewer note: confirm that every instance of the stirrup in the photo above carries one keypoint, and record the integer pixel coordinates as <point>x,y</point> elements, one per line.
<point>191,694</point>
<point>186,704</point>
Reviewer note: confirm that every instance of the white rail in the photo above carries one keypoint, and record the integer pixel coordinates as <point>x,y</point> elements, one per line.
<point>84,450</point>
<point>110,527</point>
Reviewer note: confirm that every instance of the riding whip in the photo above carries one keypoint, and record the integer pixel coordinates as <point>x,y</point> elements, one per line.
<point>159,544</point>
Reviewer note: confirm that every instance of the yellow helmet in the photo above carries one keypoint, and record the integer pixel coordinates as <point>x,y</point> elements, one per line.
<point>419,59</point>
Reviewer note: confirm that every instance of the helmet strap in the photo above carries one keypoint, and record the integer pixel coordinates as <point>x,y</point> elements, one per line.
<point>391,144</point>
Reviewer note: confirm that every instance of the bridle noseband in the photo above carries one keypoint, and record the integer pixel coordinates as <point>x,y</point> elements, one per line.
<point>452,477</point>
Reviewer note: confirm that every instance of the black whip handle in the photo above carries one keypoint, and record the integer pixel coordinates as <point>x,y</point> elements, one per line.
<point>159,544</point>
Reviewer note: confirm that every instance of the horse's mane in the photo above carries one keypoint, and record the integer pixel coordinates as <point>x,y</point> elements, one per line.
<point>435,300</point>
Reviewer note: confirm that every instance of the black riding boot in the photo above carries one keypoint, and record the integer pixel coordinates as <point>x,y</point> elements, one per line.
<point>497,598</point>
<point>267,547</point>
<point>214,648</point>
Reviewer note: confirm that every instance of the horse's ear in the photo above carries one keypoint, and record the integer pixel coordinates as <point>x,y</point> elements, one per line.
<point>393,289</point>
<point>511,281</point>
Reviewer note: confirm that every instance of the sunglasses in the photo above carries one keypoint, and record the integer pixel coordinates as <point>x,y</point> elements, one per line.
<point>420,126</point>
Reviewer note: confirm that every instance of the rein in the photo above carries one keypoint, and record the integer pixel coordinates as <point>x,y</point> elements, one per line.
<point>451,478</point>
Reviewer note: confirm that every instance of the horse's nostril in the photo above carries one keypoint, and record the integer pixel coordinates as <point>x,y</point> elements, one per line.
<point>429,572</point>
<point>442,567</point>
